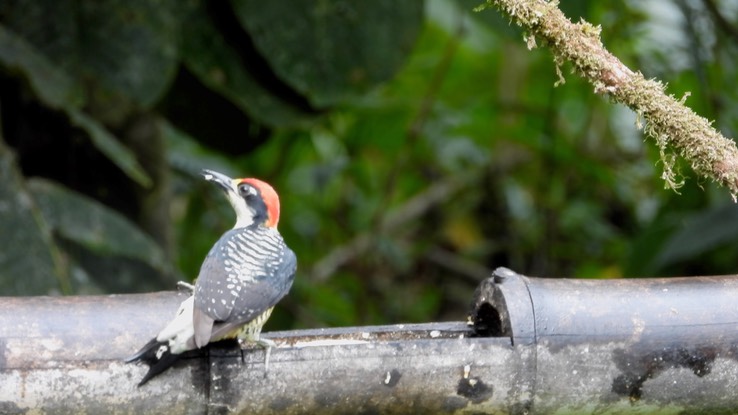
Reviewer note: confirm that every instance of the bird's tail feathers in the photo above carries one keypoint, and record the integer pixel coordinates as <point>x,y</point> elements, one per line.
<point>168,346</point>
<point>157,356</point>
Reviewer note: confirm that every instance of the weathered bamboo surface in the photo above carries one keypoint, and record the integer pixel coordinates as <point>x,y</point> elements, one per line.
<point>537,346</point>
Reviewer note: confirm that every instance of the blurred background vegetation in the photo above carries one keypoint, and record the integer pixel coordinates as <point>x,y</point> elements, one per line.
<point>415,145</point>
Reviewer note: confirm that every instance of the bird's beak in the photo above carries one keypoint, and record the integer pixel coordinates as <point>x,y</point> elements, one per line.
<point>220,179</point>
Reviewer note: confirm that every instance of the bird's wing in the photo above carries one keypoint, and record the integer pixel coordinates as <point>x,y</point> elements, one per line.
<point>240,279</point>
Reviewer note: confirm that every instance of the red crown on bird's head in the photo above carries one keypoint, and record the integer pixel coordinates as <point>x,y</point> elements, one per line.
<point>271,200</point>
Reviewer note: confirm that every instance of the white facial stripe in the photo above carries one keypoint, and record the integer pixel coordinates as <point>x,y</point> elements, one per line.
<point>236,194</point>
<point>244,214</point>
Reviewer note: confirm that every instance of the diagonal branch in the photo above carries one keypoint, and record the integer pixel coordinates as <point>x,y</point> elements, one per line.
<point>673,126</point>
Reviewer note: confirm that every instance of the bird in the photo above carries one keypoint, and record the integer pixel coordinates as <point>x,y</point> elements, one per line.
<point>245,274</point>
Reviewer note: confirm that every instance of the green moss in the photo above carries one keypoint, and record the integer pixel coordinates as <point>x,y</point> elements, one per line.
<point>675,129</point>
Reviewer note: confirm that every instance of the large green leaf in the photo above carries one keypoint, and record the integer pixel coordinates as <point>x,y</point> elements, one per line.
<point>706,230</point>
<point>55,88</point>
<point>220,67</point>
<point>187,155</point>
<point>110,146</point>
<point>119,47</point>
<point>50,84</point>
<point>29,263</point>
<point>332,50</point>
<point>94,226</point>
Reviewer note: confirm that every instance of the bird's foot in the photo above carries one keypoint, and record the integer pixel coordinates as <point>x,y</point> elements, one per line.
<point>266,344</point>
<point>186,286</point>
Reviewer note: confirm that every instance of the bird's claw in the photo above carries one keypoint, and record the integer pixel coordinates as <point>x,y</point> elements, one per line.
<point>186,286</point>
<point>266,344</point>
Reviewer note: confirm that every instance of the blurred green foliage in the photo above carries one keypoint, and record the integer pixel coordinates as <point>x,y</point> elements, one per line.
<point>415,145</point>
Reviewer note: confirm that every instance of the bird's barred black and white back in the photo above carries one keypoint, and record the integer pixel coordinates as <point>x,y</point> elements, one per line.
<point>252,286</point>
<point>241,278</point>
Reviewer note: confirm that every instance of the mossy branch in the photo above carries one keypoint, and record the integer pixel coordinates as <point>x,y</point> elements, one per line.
<point>674,127</point>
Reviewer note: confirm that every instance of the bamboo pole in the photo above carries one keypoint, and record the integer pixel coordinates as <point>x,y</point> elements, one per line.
<point>537,346</point>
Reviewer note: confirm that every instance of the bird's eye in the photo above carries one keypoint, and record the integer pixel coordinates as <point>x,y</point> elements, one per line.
<point>246,191</point>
